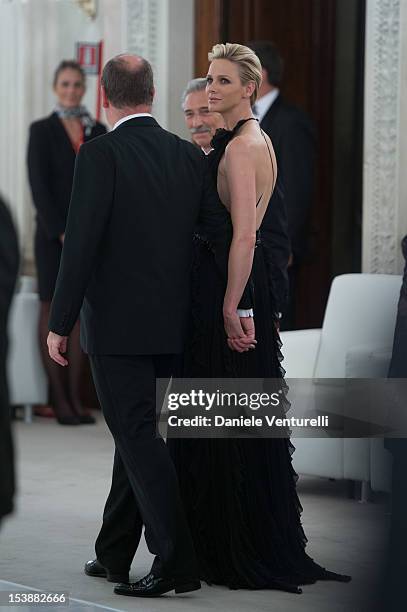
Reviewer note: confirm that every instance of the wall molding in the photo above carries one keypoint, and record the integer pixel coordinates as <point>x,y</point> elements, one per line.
<point>162,31</point>
<point>382,137</point>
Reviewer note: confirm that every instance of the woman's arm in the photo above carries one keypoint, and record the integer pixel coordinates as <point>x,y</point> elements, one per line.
<point>241,180</point>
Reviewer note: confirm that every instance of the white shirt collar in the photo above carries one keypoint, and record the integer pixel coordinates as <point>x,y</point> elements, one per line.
<point>263,104</point>
<point>123,119</point>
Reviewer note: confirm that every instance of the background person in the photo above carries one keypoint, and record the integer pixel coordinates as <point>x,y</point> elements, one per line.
<point>53,145</point>
<point>9,261</point>
<point>293,136</point>
<point>201,122</point>
<point>393,595</point>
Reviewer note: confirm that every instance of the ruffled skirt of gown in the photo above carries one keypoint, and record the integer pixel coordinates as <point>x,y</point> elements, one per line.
<point>240,494</point>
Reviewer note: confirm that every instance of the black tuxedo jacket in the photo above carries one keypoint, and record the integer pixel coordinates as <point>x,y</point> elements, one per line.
<point>138,193</point>
<point>9,261</point>
<point>293,137</point>
<point>51,162</point>
<point>277,247</point>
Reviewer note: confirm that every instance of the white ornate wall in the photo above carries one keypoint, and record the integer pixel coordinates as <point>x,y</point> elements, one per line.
<point>34,36</point>
<point>162,31</point>
<point>385,146</point>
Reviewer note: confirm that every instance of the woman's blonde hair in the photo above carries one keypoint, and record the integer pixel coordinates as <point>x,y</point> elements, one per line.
<point>247,62</point>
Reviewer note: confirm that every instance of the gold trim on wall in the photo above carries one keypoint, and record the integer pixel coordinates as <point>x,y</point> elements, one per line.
<point>89,6</point>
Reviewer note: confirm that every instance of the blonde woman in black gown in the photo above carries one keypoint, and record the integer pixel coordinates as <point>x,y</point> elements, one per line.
<point>240,494</point>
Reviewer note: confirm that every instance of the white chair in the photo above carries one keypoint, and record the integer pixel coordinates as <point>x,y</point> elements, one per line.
<point>25,373</point>
<point>370,362</point>
<point>356,337</point>
<point>27,284</point>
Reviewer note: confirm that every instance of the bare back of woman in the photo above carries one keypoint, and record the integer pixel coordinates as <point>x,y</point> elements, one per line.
<point>264,160</point>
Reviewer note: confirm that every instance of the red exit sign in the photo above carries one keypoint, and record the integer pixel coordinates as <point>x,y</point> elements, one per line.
<point>89,56</point>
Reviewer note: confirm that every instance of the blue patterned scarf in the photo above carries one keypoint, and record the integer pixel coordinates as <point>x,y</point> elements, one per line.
<point>77,112</point>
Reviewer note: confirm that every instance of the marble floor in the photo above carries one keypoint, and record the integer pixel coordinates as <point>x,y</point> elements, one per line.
<point>64,475</point>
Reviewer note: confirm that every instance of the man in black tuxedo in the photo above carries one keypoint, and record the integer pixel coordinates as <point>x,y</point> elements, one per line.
<point>393,595</point>
<point>293,136</point>
<point>9,261</point>
<point>137,195</point>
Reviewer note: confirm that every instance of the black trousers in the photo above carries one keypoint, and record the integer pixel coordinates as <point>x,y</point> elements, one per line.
<point>144,488</point>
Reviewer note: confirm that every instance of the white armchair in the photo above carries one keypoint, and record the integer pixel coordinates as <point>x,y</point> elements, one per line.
<point>355,341</point>
<point>27,284</point>
<point>25,373</point>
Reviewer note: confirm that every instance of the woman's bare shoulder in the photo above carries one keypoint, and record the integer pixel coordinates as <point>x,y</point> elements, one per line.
<point>241,147</point>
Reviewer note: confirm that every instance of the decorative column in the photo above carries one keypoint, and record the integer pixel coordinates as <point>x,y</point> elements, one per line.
<point>162,31</point>
<point>12,106</point>
<point>385,140</point>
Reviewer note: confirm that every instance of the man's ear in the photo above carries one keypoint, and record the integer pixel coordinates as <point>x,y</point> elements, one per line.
<point>264,76</point>
<point>105,101</point>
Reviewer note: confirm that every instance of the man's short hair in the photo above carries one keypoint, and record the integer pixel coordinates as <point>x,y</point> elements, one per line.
<point>198,84</point>
<point>270,60</point>
<point>128,86</point>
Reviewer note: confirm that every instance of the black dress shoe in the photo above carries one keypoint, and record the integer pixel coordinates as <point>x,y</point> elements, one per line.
<point>87,419</point>
<point>68,420</point>
<point>96,569</point>
<point>154,586</point>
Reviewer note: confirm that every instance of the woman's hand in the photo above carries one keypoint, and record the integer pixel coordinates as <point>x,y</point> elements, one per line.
<point>248,327</point>
<point>238,339</point>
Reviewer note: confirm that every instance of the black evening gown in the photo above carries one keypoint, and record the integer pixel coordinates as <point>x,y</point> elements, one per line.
<point>239,494</point>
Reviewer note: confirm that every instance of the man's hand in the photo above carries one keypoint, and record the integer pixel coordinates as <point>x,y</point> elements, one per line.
<point>57,346</point>
<point>238,339</point>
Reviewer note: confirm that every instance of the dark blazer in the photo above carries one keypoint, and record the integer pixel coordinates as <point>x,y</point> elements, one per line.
<point>51,162</point>
<point>293,137</point>
<point>137,195</point>
<point>9,262</point>
<point>276,246</point>
<point>398,364</point>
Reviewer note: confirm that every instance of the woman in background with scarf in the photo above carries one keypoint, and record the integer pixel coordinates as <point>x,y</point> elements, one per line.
<point>53,145</point>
